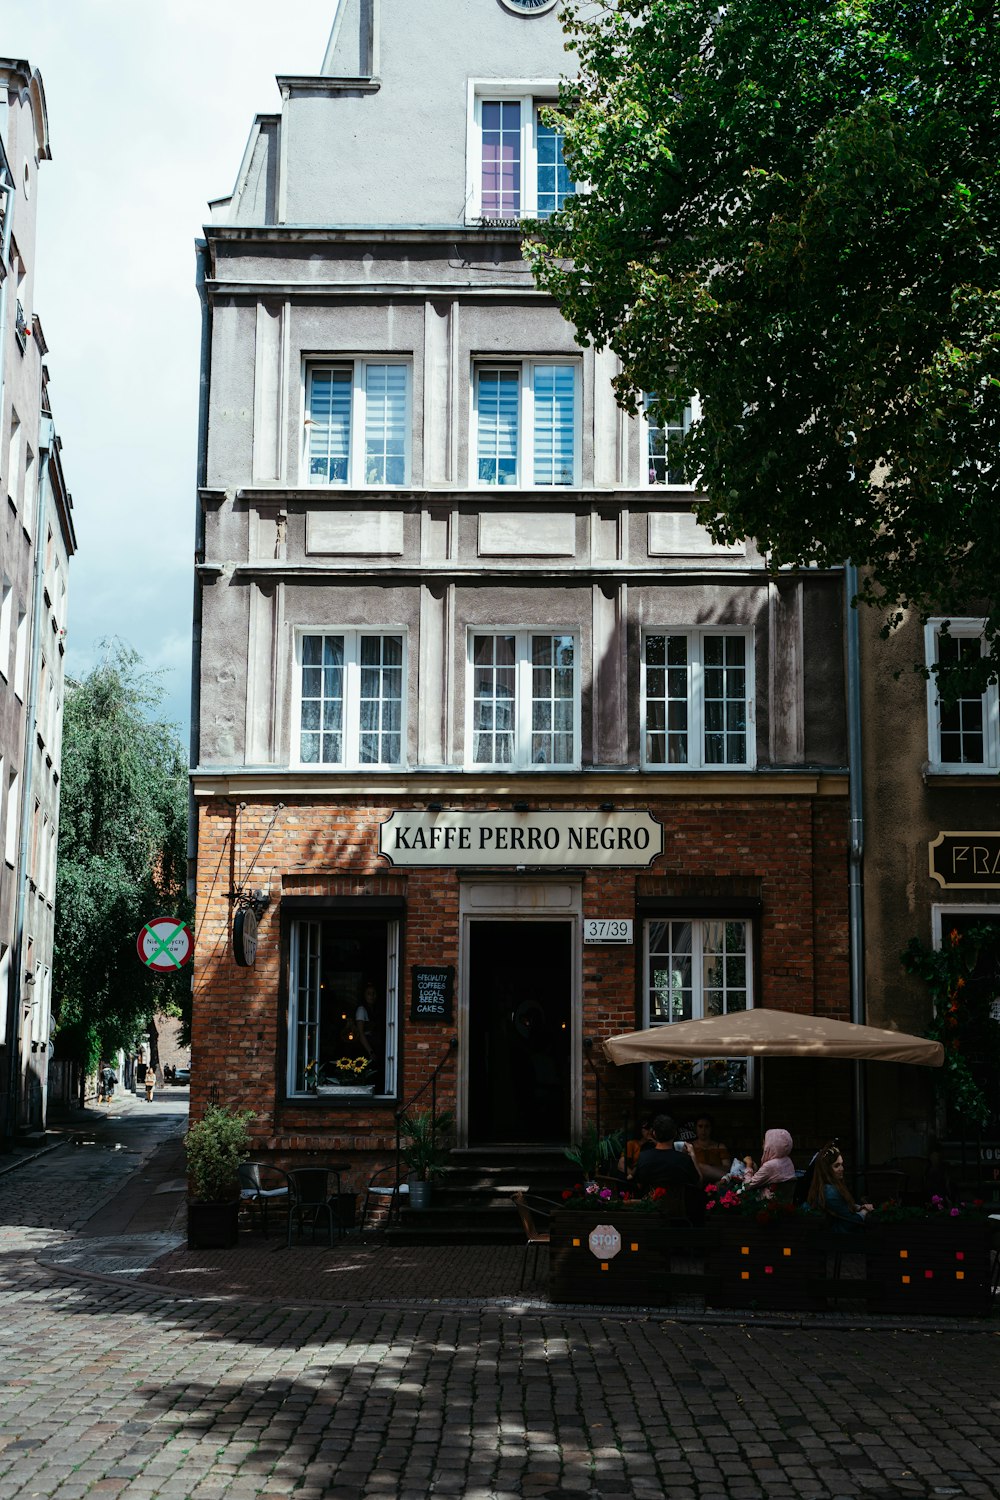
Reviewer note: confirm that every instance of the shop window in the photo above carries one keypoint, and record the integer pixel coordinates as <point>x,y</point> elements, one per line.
<point>697,967</point>
<point>697,699</point>
<point>524,700</point>
<point>663,436</point>
<point>343,1007</point>
<point>964,736</point>
<point>525,421</point>
<point>350,704</point>
<point>357,424</point>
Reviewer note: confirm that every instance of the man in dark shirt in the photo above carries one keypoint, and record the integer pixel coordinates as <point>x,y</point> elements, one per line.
<point>660,1165</point>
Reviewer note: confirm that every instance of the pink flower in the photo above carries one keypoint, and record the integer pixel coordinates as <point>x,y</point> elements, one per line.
<point>937,1202</point>
<point>729,1200</point>
<point>954,1213</point>
<point>605,1195</point>
<point>591,1188</point>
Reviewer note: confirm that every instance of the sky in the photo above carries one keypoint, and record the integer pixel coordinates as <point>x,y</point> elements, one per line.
<point>150,103</point>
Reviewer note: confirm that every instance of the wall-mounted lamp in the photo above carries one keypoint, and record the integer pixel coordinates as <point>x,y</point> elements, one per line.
<point>607,807</point>
<point>435,807</point>
<point>520,807</point>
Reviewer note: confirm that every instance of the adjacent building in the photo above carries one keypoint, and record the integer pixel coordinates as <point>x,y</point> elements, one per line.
<point>37,540</point>
<point>503,751</point>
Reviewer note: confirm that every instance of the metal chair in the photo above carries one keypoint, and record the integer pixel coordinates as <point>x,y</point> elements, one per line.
<point>311,1201</point>
<point>534,1236</point>
<point>263,1187</point>
<point>882,1183</point>
<point>384,1195</point>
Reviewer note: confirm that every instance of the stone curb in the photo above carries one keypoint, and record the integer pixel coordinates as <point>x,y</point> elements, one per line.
<point>521,1307</point>
<point>24,1160</point>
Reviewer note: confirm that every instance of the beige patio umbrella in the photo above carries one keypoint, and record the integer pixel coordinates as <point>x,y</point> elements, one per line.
<point>772,1033</point>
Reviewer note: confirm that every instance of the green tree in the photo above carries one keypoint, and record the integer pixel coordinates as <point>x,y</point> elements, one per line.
<point>122,858</point>
<point>792,209</point>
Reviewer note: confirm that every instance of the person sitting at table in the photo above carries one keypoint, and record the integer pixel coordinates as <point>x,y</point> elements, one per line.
<point>776,1164</point>
<point>829,1193</point>
<point>665,1166</point>
<point>711,1157</point>
<point>629,1159</point>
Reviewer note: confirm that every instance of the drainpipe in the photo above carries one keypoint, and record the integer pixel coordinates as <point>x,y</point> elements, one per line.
<point>46,427</point>
<point>201,273</point>
<point>856,856</point>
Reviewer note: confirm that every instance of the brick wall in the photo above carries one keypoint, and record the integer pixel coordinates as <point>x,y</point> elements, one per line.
<point>790,852</point>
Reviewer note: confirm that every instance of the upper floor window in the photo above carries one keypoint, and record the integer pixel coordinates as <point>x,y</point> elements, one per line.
<point>350,703</point>
<point>965,734</point>
<point>516,161</point>
<point>357,423</point>
<point>697,696</point>
<point>663,463</point>
<point>525,418</point>
<point>524,699</point>
<point>697,967</point>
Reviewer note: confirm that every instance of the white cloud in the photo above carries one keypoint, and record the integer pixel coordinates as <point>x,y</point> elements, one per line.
<point>150,105</point>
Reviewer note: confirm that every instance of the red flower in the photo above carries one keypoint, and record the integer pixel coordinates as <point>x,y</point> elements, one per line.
<point>711,1187</point>
<point>659,1192</point>
<point>566,1194</point>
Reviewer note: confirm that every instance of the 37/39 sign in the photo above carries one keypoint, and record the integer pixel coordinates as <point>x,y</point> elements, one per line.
<point>606,930</point>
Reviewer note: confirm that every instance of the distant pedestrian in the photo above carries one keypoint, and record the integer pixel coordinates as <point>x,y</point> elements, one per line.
<point>106,1084</point>
<point>150,1082</point>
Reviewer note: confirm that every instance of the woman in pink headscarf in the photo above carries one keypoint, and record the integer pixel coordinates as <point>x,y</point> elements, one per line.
<point>775,1162</point>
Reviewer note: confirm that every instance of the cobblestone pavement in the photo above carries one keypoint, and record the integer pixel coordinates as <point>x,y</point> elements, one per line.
<point>121,1390</point>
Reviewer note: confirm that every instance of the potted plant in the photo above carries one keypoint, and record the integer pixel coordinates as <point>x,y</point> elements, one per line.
<point>596,1153</point>
<point>424,1149</point>
<point>216,1145</point>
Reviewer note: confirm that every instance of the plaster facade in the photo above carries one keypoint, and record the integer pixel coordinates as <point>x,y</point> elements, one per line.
<point>351,239</point>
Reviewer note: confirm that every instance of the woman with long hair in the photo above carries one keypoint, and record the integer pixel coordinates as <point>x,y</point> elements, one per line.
<point>829,1193</point>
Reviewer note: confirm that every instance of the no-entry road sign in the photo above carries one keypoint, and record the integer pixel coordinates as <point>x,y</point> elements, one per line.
<point>165,944</point>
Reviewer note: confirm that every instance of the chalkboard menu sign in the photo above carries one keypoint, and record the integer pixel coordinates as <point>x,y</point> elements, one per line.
<point>431,992</point>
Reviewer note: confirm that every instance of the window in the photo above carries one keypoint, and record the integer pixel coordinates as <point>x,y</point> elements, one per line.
<point>343,1006</point>
<point>357,424</point>
<point>524,700</point>
<point>13,831</point>
<point>965,736</point>
<point>6,613</point>
<point>517,169</point>
<point>697,700</point>
<point>526,424</point>
<point>21,654</point>
<point>4,991</point>
<point>662,463</point>
<point>14,460</point>
<point>351,699</point>
<point>697,968</point>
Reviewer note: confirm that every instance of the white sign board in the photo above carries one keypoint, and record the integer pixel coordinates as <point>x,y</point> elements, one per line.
<point>595,839</point>
<point>606,930</point>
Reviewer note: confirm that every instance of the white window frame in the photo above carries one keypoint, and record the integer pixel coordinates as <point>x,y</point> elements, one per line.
<point>4,990</point>
<point>356,439</point>
<point>696,701</point>
<point>21,655</point>
<point>530,94</point>
<point>301,926</point>
<point>13,830</point>
<point>646,430</point>
<point>6,613</point>
<point>522,699</point>
<point>697,1085</point>
<point>352,699</point>
<point>524,477</point>
<point>968,630</point>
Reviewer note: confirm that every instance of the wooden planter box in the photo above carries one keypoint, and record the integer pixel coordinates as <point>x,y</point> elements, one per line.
<point>609,1255</point>
<point>938,1267</point>
<point>773,1267</point>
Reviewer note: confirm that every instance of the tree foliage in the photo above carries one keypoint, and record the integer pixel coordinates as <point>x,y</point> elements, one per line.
<point>122,857</point>
<point>792,209</point>
<point>962,976</point>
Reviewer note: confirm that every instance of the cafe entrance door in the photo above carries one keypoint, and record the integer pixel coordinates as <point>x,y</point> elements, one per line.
<point>520,990</point>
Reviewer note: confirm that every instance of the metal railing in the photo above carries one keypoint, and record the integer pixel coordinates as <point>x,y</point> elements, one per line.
<point>404,1109</point>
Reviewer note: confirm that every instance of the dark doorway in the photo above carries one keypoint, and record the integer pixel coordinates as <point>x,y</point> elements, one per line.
<point>520,989</point>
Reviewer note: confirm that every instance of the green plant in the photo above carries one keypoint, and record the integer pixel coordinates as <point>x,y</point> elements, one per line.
<point>963,1020</point>
<point>216,1144</point>
<point>596,1153</point>
<point>424,1146</point>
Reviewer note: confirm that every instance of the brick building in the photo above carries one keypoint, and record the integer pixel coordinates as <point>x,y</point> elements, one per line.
<point>477,697</point>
